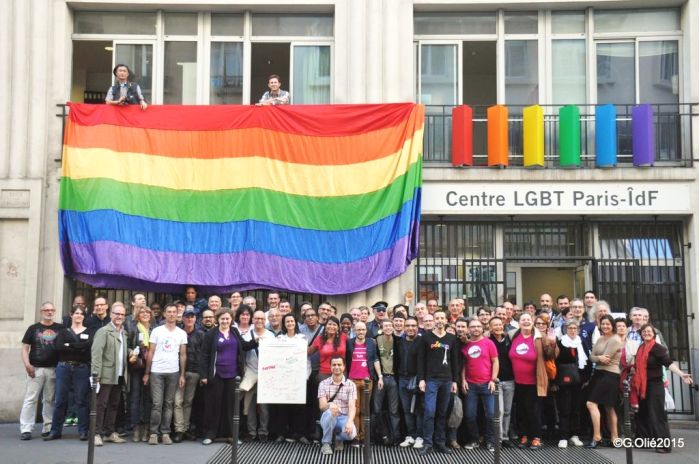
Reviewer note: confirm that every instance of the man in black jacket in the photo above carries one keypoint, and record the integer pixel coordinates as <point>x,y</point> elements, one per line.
<point>437,372</point>
<point>407,384</point>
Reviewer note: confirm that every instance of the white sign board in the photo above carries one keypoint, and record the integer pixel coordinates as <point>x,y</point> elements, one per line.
<point>281,374</point>
<point>589,198</point>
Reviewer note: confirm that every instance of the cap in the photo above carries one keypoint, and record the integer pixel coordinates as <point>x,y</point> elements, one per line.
<point>380,306</point>
<point>189,312</point>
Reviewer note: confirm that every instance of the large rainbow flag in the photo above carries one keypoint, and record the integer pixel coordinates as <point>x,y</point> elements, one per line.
<point>318,199</point>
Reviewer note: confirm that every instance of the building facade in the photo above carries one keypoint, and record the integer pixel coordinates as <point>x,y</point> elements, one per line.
<point>488,233</point>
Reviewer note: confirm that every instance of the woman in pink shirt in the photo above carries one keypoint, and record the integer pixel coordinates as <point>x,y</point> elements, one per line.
<point>526,354</point>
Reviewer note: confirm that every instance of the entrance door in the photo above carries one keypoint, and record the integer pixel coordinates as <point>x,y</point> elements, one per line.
<point>552,280</point>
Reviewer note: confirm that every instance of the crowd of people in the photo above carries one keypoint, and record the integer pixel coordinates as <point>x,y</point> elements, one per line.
<point>164,374</point>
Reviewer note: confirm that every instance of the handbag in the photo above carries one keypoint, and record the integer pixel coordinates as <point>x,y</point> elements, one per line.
<point>567,375</point>
<point>550,365</point>
<point>457,413</point>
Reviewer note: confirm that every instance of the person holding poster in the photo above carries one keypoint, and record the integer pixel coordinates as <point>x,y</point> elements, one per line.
<point>291,416</point>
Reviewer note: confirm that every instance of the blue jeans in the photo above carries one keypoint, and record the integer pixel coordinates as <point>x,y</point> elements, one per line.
<point>330,424</point>
<point>476,392</point>
<point>413,420</point>
<point>76,377</point>
<point>437,395</point>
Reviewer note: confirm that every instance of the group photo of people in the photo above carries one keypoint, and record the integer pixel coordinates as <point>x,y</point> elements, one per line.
<point>553,370</point>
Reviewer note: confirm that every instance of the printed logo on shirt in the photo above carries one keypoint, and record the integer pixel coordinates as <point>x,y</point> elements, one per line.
<point>220,340</point>
<point>522,349</point>
<point>474,352</point>
<point>168,345</point>
<point>47,336</point>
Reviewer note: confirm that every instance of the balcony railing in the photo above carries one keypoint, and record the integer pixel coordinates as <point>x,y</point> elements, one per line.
<point>673,134</point>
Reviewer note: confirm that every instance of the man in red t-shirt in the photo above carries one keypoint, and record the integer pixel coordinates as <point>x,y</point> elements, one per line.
<point>480,371</point>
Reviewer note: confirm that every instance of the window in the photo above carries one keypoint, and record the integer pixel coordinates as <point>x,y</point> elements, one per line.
<point>665,20</point>
<point>311,74</point>
<point>568,69</point>
<point>226,86</point>
<point>521,72</point>
<point>180,83</point>
<point>454,23</point>
<point>107,22</point>
<point>292,25</point>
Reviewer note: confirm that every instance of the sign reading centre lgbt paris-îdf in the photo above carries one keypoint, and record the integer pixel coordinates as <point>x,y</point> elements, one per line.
<point>561,198</point>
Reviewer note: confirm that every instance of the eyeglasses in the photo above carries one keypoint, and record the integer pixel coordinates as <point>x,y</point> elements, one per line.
<point>540,323</point>
<point>310,315</point>
<point>48,310</point>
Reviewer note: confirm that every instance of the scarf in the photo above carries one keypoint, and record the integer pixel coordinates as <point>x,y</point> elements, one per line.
<point>146,334</point>
<point>577,344</point>
<point>640,379</point>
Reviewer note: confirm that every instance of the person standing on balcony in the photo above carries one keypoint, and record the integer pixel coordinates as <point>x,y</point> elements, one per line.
<point>125,92</point>
<point>275,95</point>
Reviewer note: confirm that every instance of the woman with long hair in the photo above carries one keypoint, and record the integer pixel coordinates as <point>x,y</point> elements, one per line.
<point>531,382</point>
<point>139,397</point>
<point>604,385</point>
<point>331,343</point>
<point>223,360</point>
<point>648,390</point>
<point>291,416</point>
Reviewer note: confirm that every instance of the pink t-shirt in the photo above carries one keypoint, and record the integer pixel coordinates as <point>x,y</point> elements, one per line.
<point>479,360</point>
<point>359,369</point>
<point>523,356</point>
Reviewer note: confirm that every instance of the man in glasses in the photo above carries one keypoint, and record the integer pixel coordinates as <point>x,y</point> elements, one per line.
<point>40,358</point>
<point>312,328</point>
<point>109,370</point>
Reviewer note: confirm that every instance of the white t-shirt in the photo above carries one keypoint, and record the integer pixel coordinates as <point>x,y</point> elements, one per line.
<point>166,358</point>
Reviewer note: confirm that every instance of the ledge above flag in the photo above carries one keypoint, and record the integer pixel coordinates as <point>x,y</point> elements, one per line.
<point>309,198</point>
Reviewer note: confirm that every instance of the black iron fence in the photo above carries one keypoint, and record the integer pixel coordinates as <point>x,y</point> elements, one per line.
<point>673,134</point>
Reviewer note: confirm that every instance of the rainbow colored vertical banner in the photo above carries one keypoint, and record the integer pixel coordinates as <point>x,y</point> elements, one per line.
<point>316,199</point>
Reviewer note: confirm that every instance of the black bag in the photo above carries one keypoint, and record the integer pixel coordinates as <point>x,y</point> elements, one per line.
<point>567,375</point>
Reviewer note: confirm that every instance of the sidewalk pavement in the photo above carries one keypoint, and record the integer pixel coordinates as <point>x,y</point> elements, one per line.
<point>69,450</point>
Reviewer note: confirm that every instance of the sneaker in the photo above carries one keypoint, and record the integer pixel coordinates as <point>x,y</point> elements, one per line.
<point>472,445</point>
<point>153,440</point>
<point>115,438</point>
<point>418,443</point>
<point>563,443</point>
<point>176,438</point>
<point>137,430</point>
<point>454,445</point>
<point>575,441</point>
<point>490,447</point>
<point>339,445</point>
<point>166,439</point>
<point>264,438</point>
<point>51,437</point>
<point>304,441</point>
<point>25,436</point>
<point>290,440</point>
<point>83,436</point>
<point>207,441</point>
<point>356,443</point>
<point>535,445</point>
<point>98,440</point>
<point>45,434</point>
<point>409,441</point>
<point>279,439</point>
<point>425,450</point>
<point>443,449</point>
<point>326,449</point>
<point>522,442</point>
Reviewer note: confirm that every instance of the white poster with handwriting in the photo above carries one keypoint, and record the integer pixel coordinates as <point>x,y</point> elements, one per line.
<point>281,375</point>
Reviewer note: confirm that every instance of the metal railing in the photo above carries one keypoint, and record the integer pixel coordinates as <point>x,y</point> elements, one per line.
<point>673,134</point>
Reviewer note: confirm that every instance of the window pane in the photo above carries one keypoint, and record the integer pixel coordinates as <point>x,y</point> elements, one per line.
<point>226,73</point>
<point>311,75</point>
<point>438,75</point>
<point>454,23</point>
<point>292,24</point>
<point>659,72</point>
<point>98,22</point>
<point>568,22</point>
<point>521,22</point>
<point>139,59</point>
<point>616,81</point>
<point>180,85</point>
<point>180,24</point>
<point>521,72</point>
<point>227,24</point>
<point>568,63</point>
<point>637,20</point>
